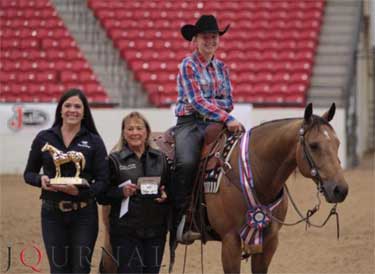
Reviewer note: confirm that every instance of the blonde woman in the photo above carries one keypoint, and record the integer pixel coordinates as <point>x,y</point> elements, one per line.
<point>138,178</point>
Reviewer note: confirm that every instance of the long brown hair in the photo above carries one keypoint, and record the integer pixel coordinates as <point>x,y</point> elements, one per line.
<point>87,120</point>
<point>133,115</point>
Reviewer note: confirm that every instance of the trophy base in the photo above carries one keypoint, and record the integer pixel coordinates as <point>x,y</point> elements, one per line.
<point>66,181</point>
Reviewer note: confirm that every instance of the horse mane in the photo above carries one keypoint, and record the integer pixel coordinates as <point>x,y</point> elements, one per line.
<point>316,122</point>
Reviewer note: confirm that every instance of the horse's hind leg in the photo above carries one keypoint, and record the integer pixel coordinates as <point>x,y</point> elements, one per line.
<point>260,262</point>
<point>231,253</point>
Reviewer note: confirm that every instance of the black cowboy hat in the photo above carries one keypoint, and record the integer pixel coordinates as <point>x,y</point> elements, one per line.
<point>206,23</point>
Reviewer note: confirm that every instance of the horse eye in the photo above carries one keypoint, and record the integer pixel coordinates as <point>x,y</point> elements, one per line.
<point>314,146</point>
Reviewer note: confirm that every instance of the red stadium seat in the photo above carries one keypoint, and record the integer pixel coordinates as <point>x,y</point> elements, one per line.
<point>75,84</point>
<point>69,76</point>
<point>286,55</point>
<point>301,67</point>
<point>262,89</point>
<point>295,99</point>
<point>264,77</point>
<point>9,98</point>
<point>99,97</point>
<point>87,76</point>
<point>297,88</point>
<point>271,43</point>
<point>36,49</point>
<point>6,77</point>
<point>280,88</point>
<point>55,89</point>
<point>300,77</point>
<point>93,87</point>
<point>281,77</point>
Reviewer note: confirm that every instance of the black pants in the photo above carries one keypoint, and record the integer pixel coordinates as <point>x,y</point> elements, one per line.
<point>189,134</point>
<point>69,238</point>
<point>137,255</point>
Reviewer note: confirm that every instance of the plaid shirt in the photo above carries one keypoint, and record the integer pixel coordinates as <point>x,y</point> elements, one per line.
<point>204,88</point>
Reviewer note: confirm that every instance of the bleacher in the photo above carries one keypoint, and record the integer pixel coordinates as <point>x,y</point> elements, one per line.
<point>270,46</point>
<point>39,58</point>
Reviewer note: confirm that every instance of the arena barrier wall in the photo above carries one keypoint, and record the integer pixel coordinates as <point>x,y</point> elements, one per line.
<point>21,122</point>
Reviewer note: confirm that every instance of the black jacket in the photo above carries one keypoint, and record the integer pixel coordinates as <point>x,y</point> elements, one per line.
<point>96,171</point>
<point>145,217</point>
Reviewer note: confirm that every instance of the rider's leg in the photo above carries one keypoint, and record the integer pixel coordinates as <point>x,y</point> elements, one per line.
<point>189,139</point>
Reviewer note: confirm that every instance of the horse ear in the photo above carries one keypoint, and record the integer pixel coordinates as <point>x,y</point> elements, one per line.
<point>308,112</point>
<point>330,113</point>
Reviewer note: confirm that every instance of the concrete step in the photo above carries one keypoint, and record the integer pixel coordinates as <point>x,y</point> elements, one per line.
<point>334,50</point>
<point>338,29</point>
<point>336,39</point>
<point>347,10</point>
<point>339,19</point>
<point>330,70</point>
<point>97,49</point>
<point>328,80</point>
<point>85,47</point>
<point>347,3</point>
<point>325,102</point>
<point>325,92</point>
<point>334,53</point>
<point>330,60</point>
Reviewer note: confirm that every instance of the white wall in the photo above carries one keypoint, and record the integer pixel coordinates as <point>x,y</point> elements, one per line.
<point>15,145</point>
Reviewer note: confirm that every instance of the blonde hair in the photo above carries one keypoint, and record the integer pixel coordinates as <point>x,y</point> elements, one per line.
<point>133,115</point>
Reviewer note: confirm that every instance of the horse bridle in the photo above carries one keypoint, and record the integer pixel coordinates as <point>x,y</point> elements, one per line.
<point>314,171</point>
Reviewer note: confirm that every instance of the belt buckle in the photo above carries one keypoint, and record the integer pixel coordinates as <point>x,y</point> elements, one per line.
<point>62,205</point>
<point>201,117</point>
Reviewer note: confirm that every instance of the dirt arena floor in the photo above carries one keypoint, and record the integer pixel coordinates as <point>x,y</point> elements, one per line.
<point>300,251</point>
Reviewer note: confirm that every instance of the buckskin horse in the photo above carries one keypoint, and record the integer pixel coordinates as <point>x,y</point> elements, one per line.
<point>250,206</point>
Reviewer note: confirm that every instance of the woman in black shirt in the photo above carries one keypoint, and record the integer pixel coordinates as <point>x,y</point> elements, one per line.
<point>138,178</point>
<point>69,212</point>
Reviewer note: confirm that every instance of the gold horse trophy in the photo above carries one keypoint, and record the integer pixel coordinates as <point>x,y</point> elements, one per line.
<point>60,158</point>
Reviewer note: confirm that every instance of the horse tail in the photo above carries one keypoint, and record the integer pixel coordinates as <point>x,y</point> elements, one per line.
<point>83,161</point>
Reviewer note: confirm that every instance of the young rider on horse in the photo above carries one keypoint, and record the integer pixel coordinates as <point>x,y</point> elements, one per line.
<point>204,97</point>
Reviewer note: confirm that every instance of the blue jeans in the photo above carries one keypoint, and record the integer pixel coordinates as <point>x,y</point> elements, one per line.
<point>69,238</point>
<point>138,255</point>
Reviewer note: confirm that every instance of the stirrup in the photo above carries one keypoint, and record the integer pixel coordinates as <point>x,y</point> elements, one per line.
<point>187,237</point>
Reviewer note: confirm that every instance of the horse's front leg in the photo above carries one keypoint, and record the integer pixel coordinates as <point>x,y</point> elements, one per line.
<point>78,169</point>
<point>260,262</point>
<point>58,172</point>
<point>231,253</point>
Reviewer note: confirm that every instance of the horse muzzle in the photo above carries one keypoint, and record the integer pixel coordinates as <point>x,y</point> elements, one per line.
<point>335,192</point>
